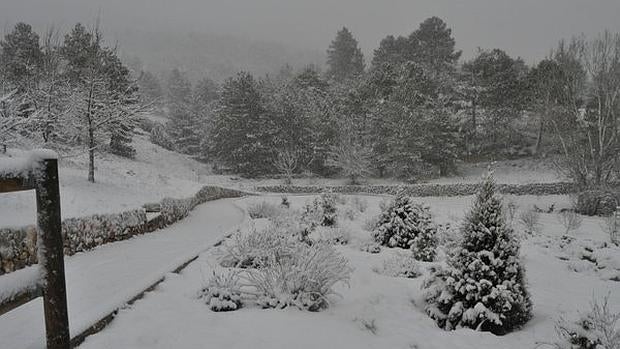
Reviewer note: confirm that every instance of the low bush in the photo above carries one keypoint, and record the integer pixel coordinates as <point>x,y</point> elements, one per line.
<point>222,292</point>
<point>370,246</point>
<point>400,265</point>
<point>408,225</point>
<point>596,202</point>
<point>570,220</point>
<point>598,328</point>
<point>303,280</point>
<point>337,235</point>
<point>252,249</point>
<point>530,220</point>
<point>263,209</point>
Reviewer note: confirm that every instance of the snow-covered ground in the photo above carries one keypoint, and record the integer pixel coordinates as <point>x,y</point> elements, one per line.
<point>105,278</point>
<point>375,311</point>
<point>121,183</point>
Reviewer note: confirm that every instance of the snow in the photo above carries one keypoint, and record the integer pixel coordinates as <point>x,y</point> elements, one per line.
<point>376,311</point>
<point>19,163</point>
<point>25,280</point>
<point>121,184</point>
<point>105,278</point>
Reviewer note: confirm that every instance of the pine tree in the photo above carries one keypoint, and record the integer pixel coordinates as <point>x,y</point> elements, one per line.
<point>21,55</point>
<point>391,51</point>
<point>179,89</point>
<point>344,57</point>
<point>241,134</point>
<point>432,45</point>
<point>184,125</point>
<point>484,285</point>
<point>205,91</point>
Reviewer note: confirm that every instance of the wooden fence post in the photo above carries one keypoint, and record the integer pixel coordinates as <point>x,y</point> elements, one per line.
<point>51,257</point>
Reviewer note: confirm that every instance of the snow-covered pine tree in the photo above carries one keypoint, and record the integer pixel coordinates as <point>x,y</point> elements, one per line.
<point>241,134</point>
<point>406,224</point>
<point>483,286</point>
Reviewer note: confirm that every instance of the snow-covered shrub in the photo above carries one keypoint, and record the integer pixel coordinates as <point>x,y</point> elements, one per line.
<point>370,246</point>
<point>285,203</point>
<point>252,249</point>
<point>570,220</point>
<point>400,265</point>
<point>173,210</point>
<point>599,328</point>
<point>160,137</point>
<point>530,219</point>
<point>337,235</point>
<point>483,286</point>
<point>222,292</point>
<point>596,202</point>
<point>611,226</point>
<point>321,211</point>
<point>303,279</point>
<point>263,209</point>
<point>448,236</point>
<point>406,224</point>
<point>328,206</point>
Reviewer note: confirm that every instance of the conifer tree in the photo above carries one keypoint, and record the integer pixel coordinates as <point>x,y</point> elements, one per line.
<point>184,125</point>
<point>484,285</point>
<point>432,45</point>
<point>241,134</point>
<point>344,57</point>
<point>21,55</point>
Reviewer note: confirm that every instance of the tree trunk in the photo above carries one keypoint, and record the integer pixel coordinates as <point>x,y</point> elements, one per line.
<point>539,137</point>
<point>91,138</point>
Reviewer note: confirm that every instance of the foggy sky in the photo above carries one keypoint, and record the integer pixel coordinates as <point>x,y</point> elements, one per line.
<point>526,28</point>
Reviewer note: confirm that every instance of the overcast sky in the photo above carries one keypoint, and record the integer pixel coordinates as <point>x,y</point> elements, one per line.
<point>527,28</point>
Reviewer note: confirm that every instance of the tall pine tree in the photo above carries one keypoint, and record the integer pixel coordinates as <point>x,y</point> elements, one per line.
<point>21,56</point>
<point>183,126</point>
<point>241,135</point>
<point>344,57</point>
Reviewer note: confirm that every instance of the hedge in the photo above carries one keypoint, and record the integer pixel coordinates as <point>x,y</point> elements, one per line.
<point>421,190</point>
<point>18,245</point>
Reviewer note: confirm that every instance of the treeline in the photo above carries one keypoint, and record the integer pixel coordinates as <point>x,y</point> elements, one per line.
<point>414,111</point>
<point>66,92</point>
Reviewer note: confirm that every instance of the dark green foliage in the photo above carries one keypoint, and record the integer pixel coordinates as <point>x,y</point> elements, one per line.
<point>484,285</point>
<point>183,128</point>
<point>241,135</point>
<point>432,45</point>
<point>21,56</point>
<point>344,57</point>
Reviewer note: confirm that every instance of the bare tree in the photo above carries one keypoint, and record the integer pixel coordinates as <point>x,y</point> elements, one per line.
<point>571,220</point>
<point>286,162</point>
<point>588,125</point>
<point>352,159</point>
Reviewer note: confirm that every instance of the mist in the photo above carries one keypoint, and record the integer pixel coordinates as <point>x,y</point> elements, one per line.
<point>522,28</point>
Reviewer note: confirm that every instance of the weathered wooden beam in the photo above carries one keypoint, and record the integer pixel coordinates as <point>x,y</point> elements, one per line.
<point>8,185</point>
<point>19,300</point>
<point>51,256</point>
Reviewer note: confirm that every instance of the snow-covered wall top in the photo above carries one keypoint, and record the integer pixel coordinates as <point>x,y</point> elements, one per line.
<point>21,163</point>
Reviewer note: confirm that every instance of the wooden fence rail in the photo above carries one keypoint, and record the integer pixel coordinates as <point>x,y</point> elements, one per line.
<point>43,178</point>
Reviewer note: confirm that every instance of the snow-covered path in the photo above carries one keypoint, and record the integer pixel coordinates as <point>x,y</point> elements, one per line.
<point>103,279</point>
